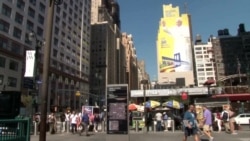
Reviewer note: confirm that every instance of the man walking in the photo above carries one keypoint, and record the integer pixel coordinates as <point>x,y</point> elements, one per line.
<point>85,122</point>
<point>190,127</point>
<point>207,118</point>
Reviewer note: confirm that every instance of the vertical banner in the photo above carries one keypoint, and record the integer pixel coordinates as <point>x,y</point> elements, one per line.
<point>117,109</point>
<point>30,63</point>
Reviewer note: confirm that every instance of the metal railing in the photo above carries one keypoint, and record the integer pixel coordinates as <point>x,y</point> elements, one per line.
<point>15,130</point>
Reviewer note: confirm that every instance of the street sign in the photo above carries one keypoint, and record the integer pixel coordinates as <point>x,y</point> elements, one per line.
<point>117,109</point>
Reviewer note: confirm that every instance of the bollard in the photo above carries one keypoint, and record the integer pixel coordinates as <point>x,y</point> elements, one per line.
<point>58,126</point>
<point>67,126</point>
<point>155,126</point>
<point>35,128</point>
<point>173,126</point>
<point>136,126</point>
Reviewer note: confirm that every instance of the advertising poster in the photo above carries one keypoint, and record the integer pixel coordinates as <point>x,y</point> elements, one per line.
<point>174,42</point>
<point>87,109</point>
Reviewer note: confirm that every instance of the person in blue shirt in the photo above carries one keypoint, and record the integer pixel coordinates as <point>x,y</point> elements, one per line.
<point>189,122</point>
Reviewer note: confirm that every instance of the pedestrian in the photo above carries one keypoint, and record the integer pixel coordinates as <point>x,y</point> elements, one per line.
<point>85,122</point>
<point>158,117</point>
<point>225,117</point>
<point>232,121</point>
<point>165,120</point>
<point>52,123</point>
<point>199,131</point>
<point>207,120</point>
<point>148,119</point>
<point>97,121</point>
<point>67,120</point>
<point>190,127</point>
<point>63,121</point>
<point>73,121</point>
<point>217,119</point>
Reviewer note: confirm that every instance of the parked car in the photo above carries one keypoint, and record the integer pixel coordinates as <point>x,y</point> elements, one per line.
<point>243,118</point>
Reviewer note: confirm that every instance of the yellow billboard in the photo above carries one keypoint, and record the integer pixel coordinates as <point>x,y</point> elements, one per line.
<point>174,52</point>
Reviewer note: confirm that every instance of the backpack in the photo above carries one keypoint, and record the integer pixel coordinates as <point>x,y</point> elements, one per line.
<point>225,116</point>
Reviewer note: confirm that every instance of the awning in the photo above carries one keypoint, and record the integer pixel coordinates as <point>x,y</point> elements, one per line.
<point>212,102</point>
<point>234,97</point>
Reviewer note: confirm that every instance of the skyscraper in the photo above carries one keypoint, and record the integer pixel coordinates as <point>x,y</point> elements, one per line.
<point>69,66</point>
<point>174,48</point>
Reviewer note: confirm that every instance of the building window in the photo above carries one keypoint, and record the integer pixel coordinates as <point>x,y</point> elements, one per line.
<point>20,4</point>
<point>42,8</point>
<point>56,30</point>
<point>33,2</point>
<point>31,12</point>
<point>40,19</point>
<point>17,33</point>
<point>3,43</point>
<point>19,18</point>
<point>4,26</point>
<point>16,48</point>
<point>1,79</point>
<point>12,82</point>
<point>2,62</point>
<point>55,41</point>
<point>39,31</point>
<point>6,10</point>
<point>58,10</point>
<point>13,65</point>
<point>57,19</point>
<point>29,25</point>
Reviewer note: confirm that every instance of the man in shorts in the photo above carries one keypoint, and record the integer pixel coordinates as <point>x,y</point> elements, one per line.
<point>190,127</point>
<point>207,118</point>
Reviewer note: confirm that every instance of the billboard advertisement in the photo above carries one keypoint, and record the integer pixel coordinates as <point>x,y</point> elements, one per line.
<point>174,42</point>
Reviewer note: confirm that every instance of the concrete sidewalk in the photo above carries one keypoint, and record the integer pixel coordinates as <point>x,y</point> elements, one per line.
<point>140,136</point>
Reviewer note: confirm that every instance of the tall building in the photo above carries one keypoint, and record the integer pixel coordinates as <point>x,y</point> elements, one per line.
<point>69,64</point>
<point>131,61</point>
<point>204,63</point>
<point>107,67</point>
<point>231,53</point>
<point>174,48</point>
<point>112,8</point>
<point>142,74</point>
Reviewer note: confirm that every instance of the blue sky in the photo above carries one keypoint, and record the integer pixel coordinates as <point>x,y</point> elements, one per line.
<point>141,18</point>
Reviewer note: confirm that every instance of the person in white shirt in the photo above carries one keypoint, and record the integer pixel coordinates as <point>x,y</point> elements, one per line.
<point>158,117</point>
<point>217,119</point>
<point>73,121</point>
<point>67,120</point>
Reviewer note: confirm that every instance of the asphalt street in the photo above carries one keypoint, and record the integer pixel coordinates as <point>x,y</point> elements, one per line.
<point>139,136</point>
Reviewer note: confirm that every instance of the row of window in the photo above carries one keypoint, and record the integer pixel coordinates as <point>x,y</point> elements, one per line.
<point>205,78</point>
<point>203,69</point>
<point>11,81</point>
<point>13,46</point>
<point>13,65</point>
<point>17,32</point>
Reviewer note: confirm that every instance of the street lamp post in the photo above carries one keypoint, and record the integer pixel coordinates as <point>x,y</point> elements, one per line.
<point>47,50</point>
<point>144,84</point>
<point>39,44</point>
